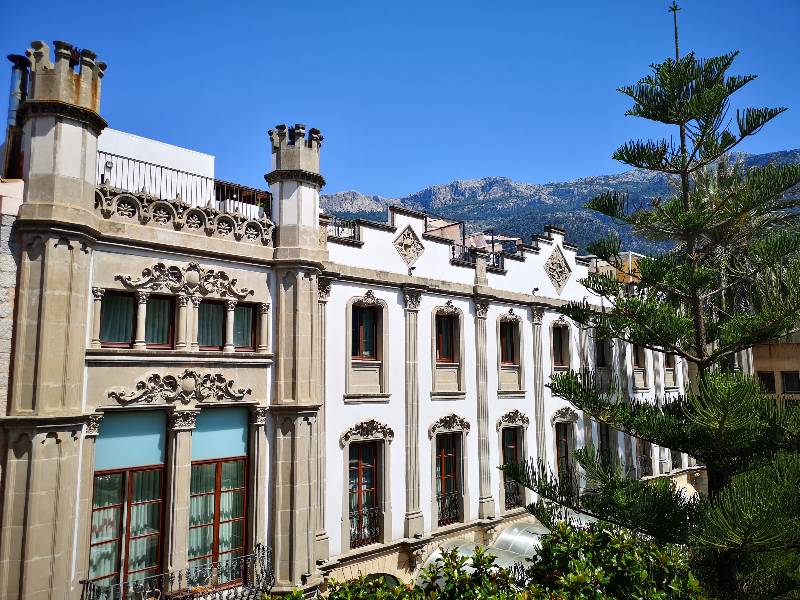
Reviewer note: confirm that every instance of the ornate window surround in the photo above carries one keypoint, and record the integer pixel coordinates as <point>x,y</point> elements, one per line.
<point>564,324</point>
<point>517,369</point>
<point>368,431</point>
<point>450,423</point>
<point>516,420</point>
<point>448,308</point>
<point>382,363</point>
<point>565,414</point>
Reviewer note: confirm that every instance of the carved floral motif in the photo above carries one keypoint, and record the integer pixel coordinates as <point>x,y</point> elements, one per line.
<point>510,316</point>
<point>409,246</point>
<point>183,420</point>
<point>186,387</point>
<point>368,299</point>
<point>451,422</point>
<point>366,430</point>
<point>565,415</point>
<point>93,425</point>
<point>557,269</point>
<point>448,309</point>
<point>259,416</point>
<point>324,288</point>
<point>538,314</point>
<point>190,280</point>
<point>412,299</point>
<point>513,417</point>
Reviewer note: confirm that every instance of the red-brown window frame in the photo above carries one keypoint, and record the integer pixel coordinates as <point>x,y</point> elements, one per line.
<point>508,328</point>
<point>126,527</point>
<point>217,495</point>
<point>359,493</point>
<point>602,358</point>
<point>562,431</point>
<point>441,456</point>
<point>440,338</point>
<point>253,328</point>
<point>516,433</point>
<point>171,333</point>
<point>361,334</point>
<point>559,335</point>
<point>133,324</point>
<point>214,348</point>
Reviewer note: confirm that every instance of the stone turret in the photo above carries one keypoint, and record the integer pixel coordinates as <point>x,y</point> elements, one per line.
<point>295,183</point>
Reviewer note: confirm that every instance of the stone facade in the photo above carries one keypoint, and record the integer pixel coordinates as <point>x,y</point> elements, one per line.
<point>9,259</point>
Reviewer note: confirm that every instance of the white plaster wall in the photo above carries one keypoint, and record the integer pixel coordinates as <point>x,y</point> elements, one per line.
<point>153,151</point>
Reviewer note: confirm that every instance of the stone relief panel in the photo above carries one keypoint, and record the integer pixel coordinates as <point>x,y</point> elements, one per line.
<point>409,246</point>
<point>451,422</point>
<point>186,388</point>
<point>512,418</point>
<point>557,269</point>
<point>367,430</point>
<point>191,280</point>
<point>565,414</point>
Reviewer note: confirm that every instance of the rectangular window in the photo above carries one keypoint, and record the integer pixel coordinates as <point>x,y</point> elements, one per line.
<point>364,333</point>
<point>446,338</point>
<point>602,354</point>
<point>644,453</point>
<point>669,361</point>
<point>677,460</point>
<point>508,343</point>
<point>244,327</point>
<point>511,455</point>
<point>211,325</point>
<point>447,484</point>
<point>638,356</point>
<point>560,346</point>
<point>158,325</point>
<point>218,493</point>
<point>790,382</point>
<point>117,319</point>
<point>767,379</point>
<point>563,458</point>
<point>605,443</point>
<point>363,493</point>
<point>125,541</point>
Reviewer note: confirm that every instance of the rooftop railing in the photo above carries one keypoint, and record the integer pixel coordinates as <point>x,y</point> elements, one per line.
<point>343,229</point>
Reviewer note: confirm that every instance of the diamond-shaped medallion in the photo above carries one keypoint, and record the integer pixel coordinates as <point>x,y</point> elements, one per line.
<point>409,246</point>
<point>557,269</point>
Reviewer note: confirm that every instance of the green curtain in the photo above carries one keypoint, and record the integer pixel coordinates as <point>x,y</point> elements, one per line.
<point>211,324</point>
<point>157,323</point>
<point>243,327</point>
<point>116,318</point>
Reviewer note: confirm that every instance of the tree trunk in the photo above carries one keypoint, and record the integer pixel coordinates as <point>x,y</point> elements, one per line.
<point>726,571</point>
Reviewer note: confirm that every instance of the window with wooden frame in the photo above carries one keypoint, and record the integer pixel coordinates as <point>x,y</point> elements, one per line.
<point>365,518</point>
<point>563,450</point>
<point>639,359</point>
<point>767,379</point>
<point>117,319</point>
<point>244,328</point>
<point>605,442</point>
<point>669,360</point>
<point>602,353</point>
<point>159,324</point>
<point>446,338</point>
<point>217,511</point>
<point>127,516</point>
<point>644,452</point>
<point>560,346</point>
<point>211,325</point>
<point>508,343</point>
<point>790,382</point>
<point>512,455</point>
<point>447,483</point>
<point>364,341</point>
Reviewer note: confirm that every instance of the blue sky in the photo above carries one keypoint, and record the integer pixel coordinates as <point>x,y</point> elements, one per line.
<point>412,93</point>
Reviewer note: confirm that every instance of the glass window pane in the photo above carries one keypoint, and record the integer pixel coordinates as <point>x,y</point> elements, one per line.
<point>143,553</point>
<point>231,535</point>
<point>243,326</point>
<point>103,559</point>
<point>116,318</point>
<point>146,486</point>
<point>203,478</point>
<point>157,322</point>
<point>231,505</point>
<point>211,324</point>
<point>107,490</point>
<point>232,474</point>
<point>201,540</point>
<point>145,518</point>
<point>201,510</point>
<point>355,333</point>
<point>106,524</point>
<point>369,333</point>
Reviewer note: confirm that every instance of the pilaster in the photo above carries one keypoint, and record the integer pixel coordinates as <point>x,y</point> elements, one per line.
<point>486,505</point>
<point>414,522</point>
<point>179,477</point>
<point>538,383</point>
<point>583,350</point>
<point>259,459</point>
<point>321,547</point>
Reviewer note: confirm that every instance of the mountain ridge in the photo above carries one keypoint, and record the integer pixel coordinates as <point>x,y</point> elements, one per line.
<point>523,209</point>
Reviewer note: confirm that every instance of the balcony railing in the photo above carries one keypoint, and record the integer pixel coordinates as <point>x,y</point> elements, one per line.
<point>249,576</point>
<point>365,527</point>
<point>512,494</point>
<point>462,254</point>
<point>449,508</point>
<point>495,261</point>
<point>343,229</point>
<point>138,176</point>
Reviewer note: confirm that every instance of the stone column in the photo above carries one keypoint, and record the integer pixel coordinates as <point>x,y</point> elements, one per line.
<point>97,293</point>
<point>193,327</point>
<point>141,318</point>
<point>259,458</point>
<point>486,506</point>
<point>178,485</point>
<point>583,350</point>
<point>321,545</point>
<point>414,522</point>
<point>538,383</point>
<point>263,328</point>
<point>180,341</point>
<point>230,306</point>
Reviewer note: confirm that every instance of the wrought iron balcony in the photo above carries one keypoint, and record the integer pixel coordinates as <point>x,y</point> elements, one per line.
<point>245,577</point>
<point>365,527</point>
<point>449,508</point>
<point>513,494</point>
<point>343,229</point>
<point>462,254</point>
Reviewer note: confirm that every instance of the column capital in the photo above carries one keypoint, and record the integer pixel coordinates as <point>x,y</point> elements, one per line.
<point>98,292</point>
<point>183,420</point>
<point>412,298</point>
<point>230,303</point>
<point>258,415</point>
<point>481,308</point>
<point>324,288</point>
<point>93,425</point>
<point>183,299</point>
<point>538,314</point>
<point>142,296</point>
<point>196,300</point>
<point>263,308</point>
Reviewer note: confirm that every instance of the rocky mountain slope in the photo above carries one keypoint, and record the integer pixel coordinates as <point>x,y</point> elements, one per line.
<point>522,209</point>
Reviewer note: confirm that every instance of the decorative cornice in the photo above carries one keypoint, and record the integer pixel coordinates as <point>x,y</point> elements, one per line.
<point>367,430</point>
<point>183,216</point>
<point>190,280</point>
<point>564,415</point>
<point>408,246</point>
<point>187,387</point>
<point>513,417</point>
<point>93,425</point>
<point>447,309</point>
<point>295,175</point>
<point>451,422</point>
<point>35,108</point>
<point>184,420</point>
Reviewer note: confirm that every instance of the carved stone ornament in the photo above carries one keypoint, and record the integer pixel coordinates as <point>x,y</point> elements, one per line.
<point>409,246</point>
<point>368,299</point>
<point>565,415</point>
<point>481,309</point>
<point>183,420</point>
<point>97,293</point>
<point>324,288</point>
<point>259,416</point>
<point>93,425</point>
<point>511,418</point>
<point>451,422</point>
<point>557,269</point>
<point>510,316</point>
<point>367,430</point>
<point>190,280</point>
<point>412,299</point>
<point>141,207</point>
<point>187,387</point>
<point>448,309</point>
<point>538,314</point>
